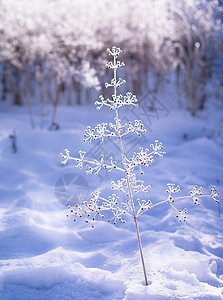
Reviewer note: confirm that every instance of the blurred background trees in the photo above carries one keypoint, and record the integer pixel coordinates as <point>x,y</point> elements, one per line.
<point>53,50</point>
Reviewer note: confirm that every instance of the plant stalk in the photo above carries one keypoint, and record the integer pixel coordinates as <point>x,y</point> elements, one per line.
<point>127,179</point>
<point>133,209</point>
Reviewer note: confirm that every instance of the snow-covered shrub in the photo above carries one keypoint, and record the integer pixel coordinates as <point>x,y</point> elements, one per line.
<point>130,205</point>
<point>194,47</point>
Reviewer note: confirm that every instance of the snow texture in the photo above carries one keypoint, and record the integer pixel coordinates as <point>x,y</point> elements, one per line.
<point>45,255</point>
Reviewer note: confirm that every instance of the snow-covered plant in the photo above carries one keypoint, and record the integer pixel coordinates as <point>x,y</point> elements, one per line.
<point>194,46</point>
<point>129,205</point>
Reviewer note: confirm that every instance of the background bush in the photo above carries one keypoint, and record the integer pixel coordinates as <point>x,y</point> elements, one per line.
<point>52,47</point>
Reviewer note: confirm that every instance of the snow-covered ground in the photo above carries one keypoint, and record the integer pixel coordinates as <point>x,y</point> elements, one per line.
<point>45,255</point>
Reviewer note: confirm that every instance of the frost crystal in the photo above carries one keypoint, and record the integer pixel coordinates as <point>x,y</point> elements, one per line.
<point>129,185</point>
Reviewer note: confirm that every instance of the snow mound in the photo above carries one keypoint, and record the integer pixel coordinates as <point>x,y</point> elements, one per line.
<point>44,255</point>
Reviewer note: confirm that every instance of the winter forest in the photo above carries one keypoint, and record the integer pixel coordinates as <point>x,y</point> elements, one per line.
<point>111,149</point>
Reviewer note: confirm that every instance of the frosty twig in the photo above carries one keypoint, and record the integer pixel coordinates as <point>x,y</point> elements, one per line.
<point>127,205</point>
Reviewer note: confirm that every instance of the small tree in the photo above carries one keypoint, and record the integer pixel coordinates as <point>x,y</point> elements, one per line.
<point>130,205</point>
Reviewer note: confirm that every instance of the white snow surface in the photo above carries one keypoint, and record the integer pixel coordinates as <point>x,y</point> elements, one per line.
<point>45,255</point>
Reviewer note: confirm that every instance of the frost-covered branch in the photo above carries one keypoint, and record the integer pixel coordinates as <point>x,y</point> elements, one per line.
<point>115,83</point>
<point>195,194</point>
<point>117,100</point>
<point>145,157</point>
<point>99,132</point>
<point>94,166</point>
<point>137,128</point>
<point>136,184</point>
<point>98,205</point>
<point>130,186</point>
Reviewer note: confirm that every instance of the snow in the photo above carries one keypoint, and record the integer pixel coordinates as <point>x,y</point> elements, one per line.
<point>45,255</point>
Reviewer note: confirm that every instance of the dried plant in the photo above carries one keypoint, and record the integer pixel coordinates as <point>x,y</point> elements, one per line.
<point>129,205</point>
